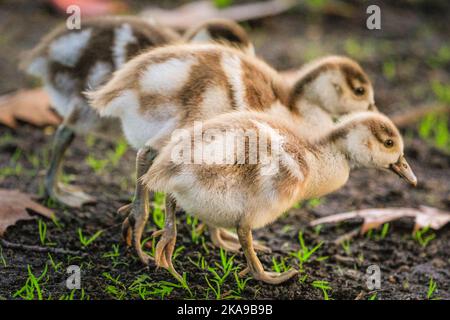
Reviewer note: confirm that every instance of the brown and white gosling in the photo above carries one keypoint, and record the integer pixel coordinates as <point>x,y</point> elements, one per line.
<point>249,195</point>
<point>323,90</point>
<point>70,62</point>
<point>168,88</point>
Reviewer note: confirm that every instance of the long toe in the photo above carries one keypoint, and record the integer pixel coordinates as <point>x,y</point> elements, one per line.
<point>145,258</point>
<point>126,232</point>
<point>175,273</point>
<point>125,210</point>
<point>160,255</point>
<point>244,272</point>
<point>167,260</point>
<point>222,238</point>
<point>229,241</point>
<point>157,233</point>
<point>149,244</point>
<point>275,277</point>
<point>160,258</point>
<point>261,248</point>
<point>226,244</point>
<point>164,250</point>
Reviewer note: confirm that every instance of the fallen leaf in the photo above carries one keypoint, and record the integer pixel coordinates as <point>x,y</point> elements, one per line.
<point>32,106</point>
<point>197,12</point>
<point>92,7</point>
<point>13,208</point>
<point>374,218</point>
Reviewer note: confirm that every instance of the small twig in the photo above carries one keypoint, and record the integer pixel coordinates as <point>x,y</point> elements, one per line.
<point>26,247</point>
<point>413,115</point>
<point>375,217</point>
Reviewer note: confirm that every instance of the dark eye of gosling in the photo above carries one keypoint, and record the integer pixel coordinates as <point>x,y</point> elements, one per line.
<point>359,91</point>
<point>389,143</point>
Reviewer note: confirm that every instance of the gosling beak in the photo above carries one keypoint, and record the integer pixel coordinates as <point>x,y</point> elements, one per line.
<point>403,170</point>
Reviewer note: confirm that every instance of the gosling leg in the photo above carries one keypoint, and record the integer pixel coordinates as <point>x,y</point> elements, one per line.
<point>133,226</point>
<point>229,241</point>
<point>254,266</point>
<point>166,245</point>
<point>68,195</point>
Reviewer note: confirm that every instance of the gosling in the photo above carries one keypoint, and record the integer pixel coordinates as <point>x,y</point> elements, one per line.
<point>70,62</point>
<point>247,195</point>
<point>171,87</point>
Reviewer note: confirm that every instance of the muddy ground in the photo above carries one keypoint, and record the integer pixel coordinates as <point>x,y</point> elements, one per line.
<point>404,60</point>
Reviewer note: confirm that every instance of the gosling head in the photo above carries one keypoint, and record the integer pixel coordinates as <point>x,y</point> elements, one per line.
<point>223,31</point>
<point>336,84</point>
<point>371,140</point>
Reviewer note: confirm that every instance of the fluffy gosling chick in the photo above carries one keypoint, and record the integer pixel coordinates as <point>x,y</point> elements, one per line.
<point>72,61</point>
<point>221,32</point>
<point>324,90</point>
<point>171,87</point>
<point>248,195</point>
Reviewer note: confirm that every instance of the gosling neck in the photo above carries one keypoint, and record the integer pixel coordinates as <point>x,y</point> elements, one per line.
<point>329,169</point>
<point>315,119</point>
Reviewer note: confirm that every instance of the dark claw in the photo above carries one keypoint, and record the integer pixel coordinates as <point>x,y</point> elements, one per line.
<point>126,232</point>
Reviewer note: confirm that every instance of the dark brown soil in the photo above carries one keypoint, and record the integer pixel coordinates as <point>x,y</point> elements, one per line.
<point>410,38</point>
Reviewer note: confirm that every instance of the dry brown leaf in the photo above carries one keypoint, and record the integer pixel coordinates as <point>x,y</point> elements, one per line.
<point>13,208</point>
<point>32,106</point>
<point>196,12</point>
<point>374,218</point>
